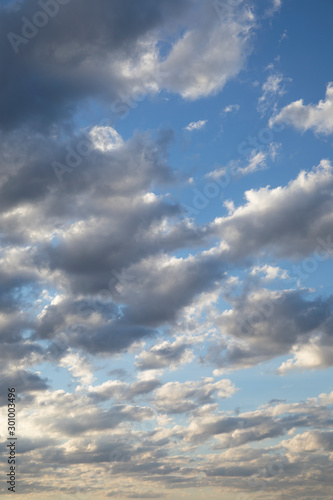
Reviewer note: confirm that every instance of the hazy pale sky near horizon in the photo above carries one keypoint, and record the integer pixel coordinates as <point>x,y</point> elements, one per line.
<point>166,224</point>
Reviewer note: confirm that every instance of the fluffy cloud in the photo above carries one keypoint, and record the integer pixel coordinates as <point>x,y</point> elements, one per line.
<point>317,117</point>
<point>212,53</point>
<point>176,397</point>
<point>286,221</point>
<point>316,354</point>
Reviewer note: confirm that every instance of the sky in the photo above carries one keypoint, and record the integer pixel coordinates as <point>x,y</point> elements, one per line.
<point>166,225</point>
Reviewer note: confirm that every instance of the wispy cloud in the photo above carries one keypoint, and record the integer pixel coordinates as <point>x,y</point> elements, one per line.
<point>200,124</point>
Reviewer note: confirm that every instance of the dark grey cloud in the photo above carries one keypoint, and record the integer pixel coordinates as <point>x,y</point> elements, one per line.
<point>268,324</point>
<point>75,55</point>
<point>25,382</point>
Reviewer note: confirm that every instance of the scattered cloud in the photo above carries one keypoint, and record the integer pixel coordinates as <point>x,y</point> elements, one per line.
<point>273,88</point>
<point>196,125</point>
<point>316,117</point>
<point>232,108</point>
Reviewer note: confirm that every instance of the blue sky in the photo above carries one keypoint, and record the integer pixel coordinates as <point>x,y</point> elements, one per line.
<point>166,247</point>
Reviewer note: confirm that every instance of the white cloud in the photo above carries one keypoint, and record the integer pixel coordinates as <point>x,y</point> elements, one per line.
<point>78,366</point>
<point>270,272</point>
<point>258,159</point>
<point>211,51</point>
<point>232,108</point>
<point>317,354</point>
<point>176,397</point>
<point>105,138</point>
<point>271,218</point>
<point>310,441</point>
<point>196,125</point>
<point>318,117</point>
<point>272,89</point>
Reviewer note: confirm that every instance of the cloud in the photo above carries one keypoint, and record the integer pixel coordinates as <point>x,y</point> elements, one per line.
<point>263,324</point>
<point>232,108</point>
<point>26,383</point>
<point>50,71</point>
<point>78,366</point>
<point>122,391</point>
<point>310,441</point>
<point>165,355</point>
<point>285,221</point>
<point>212,53</point>
<point>316,117</point>
<point>270,272</point>
<point>270,421</point>
<point>64,64</point>
<point>105,138</point>
<point>258,160</point>
<point>254,162</point>
<point>273,8</point>
<point>272,88</point>
<point>196,125</point>
<point>316,354</point>
<point>176,397</point>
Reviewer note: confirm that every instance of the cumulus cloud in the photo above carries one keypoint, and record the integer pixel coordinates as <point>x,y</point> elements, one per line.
<point>316,117</point>
<point>316,354</point>
<point>264,324</point>
<point>285,221</point>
